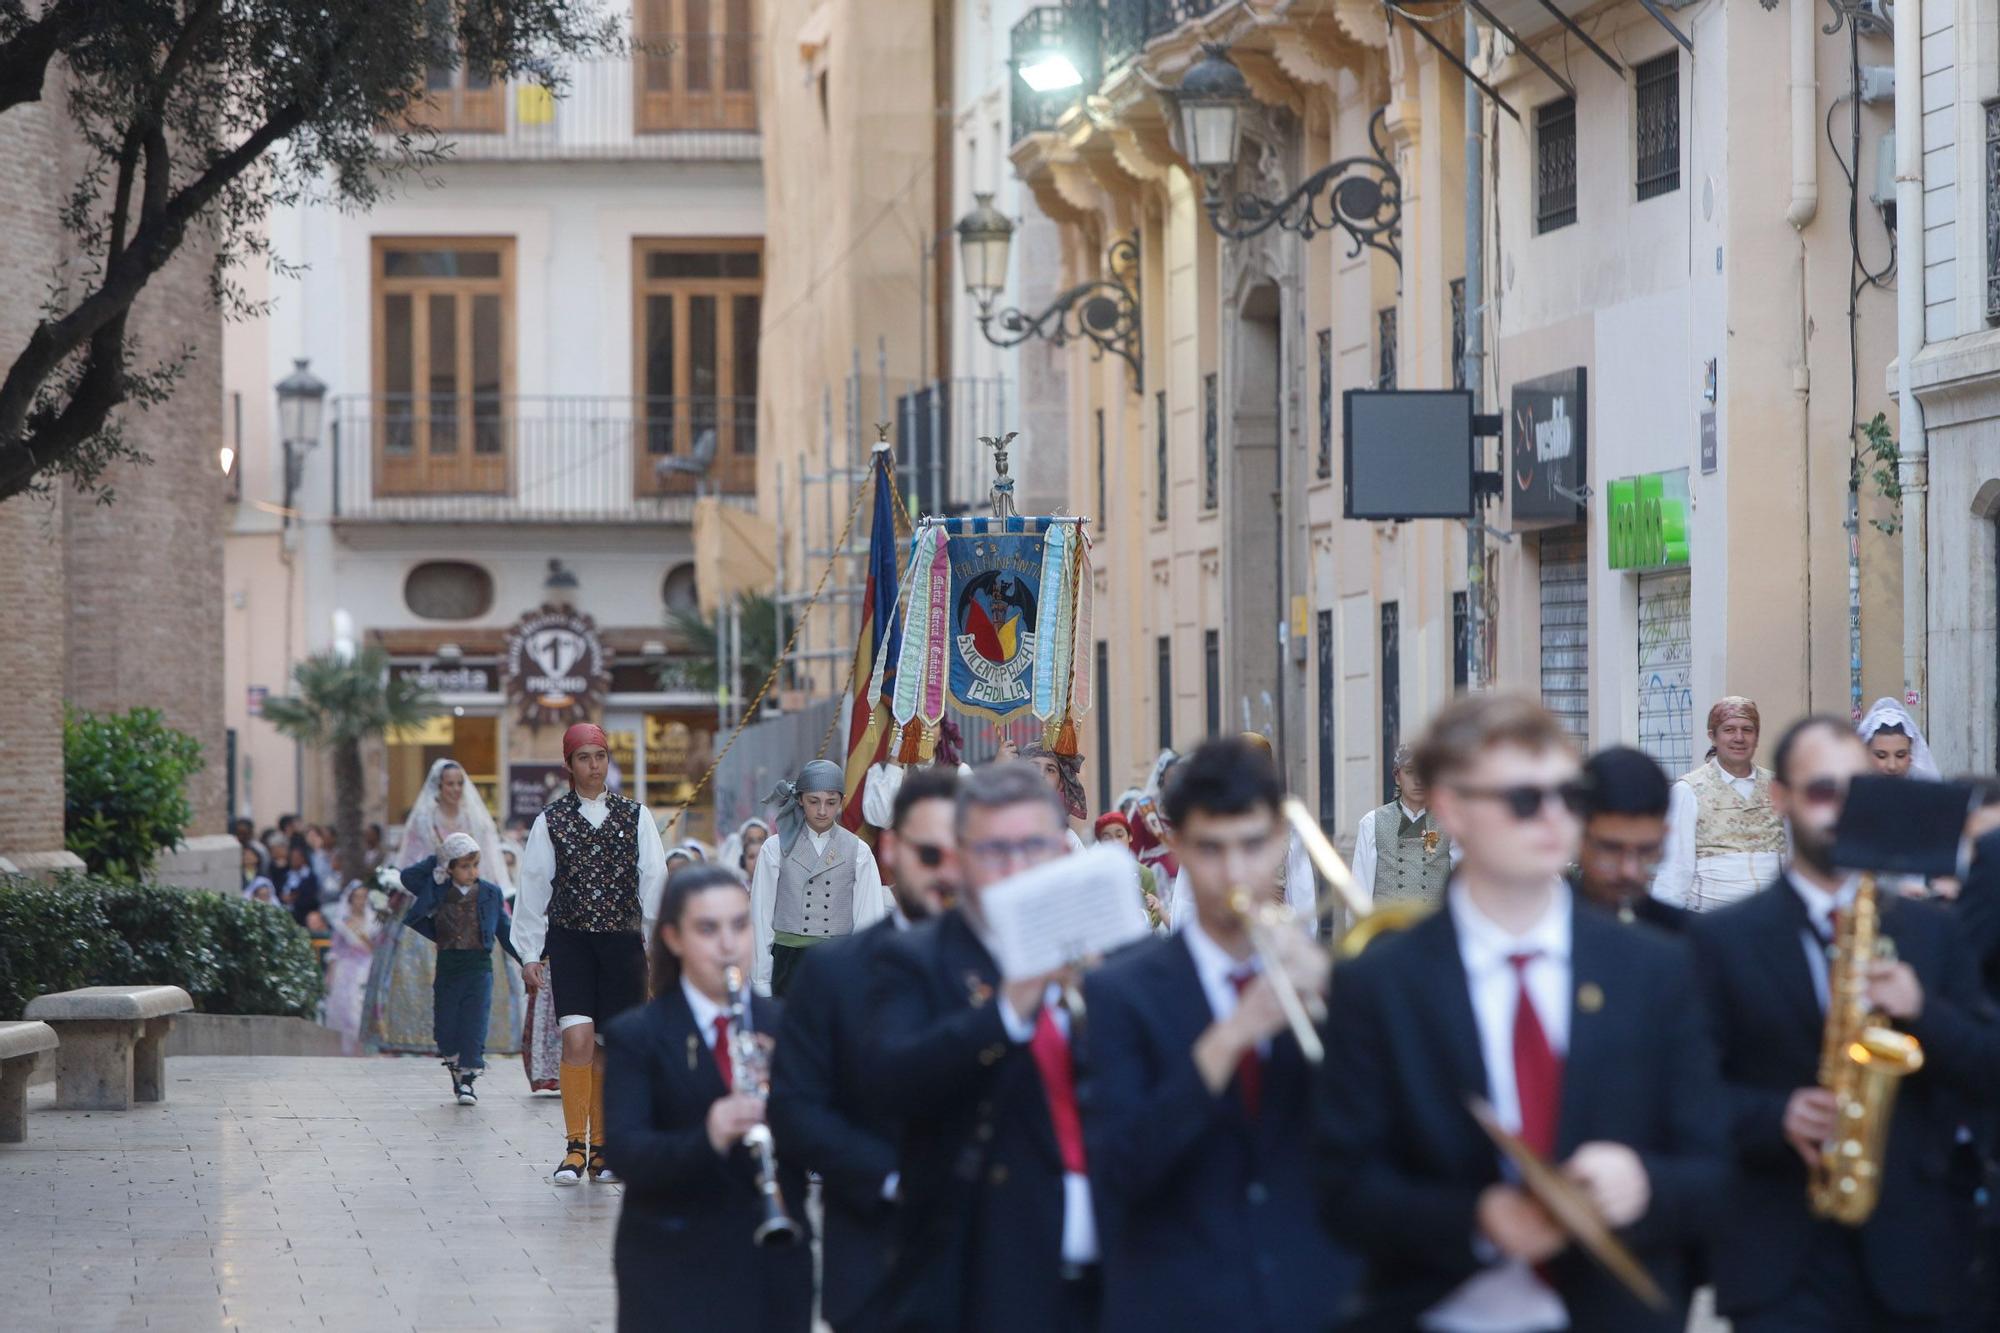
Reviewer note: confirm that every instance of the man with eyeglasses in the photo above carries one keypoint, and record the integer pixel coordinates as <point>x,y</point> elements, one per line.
<point>1765,967</point>
<point>821,1112</point>
<point>1624,836</point>
<point>1584,1036</point>
<point>995,1230</point>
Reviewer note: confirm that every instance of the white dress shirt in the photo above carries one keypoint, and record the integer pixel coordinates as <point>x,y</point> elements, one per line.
<point>1301,891</point>
<point>538,874</point>
<point>705,1011</point>
<point>1079,1233</point>
<point>1713,881</point>
<point>1507,1297</point>
<point>1820,907</point>
<point>1216,970</point>
<point>871,900</point>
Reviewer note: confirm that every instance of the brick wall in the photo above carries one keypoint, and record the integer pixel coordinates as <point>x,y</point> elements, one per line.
<point>110,606</point>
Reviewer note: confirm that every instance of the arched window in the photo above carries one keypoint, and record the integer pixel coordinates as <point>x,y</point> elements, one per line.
<point>448,590</point>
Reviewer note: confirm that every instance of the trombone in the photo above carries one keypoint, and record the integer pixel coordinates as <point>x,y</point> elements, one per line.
<point>1304,1012</point>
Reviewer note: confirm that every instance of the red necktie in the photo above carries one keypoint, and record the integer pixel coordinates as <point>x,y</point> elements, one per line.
<point>1538,1071</point>
<point>722,1062</point>
<point>1051,1051</point>
<point>1250,1066</point>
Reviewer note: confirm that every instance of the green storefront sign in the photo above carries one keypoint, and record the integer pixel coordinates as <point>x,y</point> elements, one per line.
<point>1648,520</point>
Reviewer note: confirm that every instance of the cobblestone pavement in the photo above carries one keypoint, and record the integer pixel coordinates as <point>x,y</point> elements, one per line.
<point>281,1193</point>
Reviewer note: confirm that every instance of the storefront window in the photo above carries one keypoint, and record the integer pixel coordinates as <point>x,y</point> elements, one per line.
<point>679,746</point>
<point>472,741</point>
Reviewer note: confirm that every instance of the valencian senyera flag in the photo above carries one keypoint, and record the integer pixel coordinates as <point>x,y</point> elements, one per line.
<point>879,643</point>
<point>998,623</point>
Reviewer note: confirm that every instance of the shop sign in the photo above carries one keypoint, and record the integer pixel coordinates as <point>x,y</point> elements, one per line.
<point>556,669</point>
<point>1647,521</point>
<point>457,678</point>
<point>1546,458</point>
<point>532,786</point>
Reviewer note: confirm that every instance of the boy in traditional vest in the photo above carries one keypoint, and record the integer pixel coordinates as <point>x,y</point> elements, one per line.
<point>814,881</point>
<point>460,913</point>
<point>591,877</point>
<point>1400,854</point>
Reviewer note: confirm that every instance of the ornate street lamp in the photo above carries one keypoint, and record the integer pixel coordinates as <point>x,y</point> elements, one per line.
<point>1104,310</point>
<point>301,405</point>
<point>1362,196</point>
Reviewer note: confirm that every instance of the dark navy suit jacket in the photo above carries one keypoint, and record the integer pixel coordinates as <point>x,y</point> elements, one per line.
<point>1403,1162</point>
<point>1207,1216</point>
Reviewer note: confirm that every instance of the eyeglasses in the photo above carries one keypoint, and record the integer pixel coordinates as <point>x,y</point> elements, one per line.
<point>1823,791</point>
<point>1526,800</point>
<point>997,850</point>
<point>928,856</point>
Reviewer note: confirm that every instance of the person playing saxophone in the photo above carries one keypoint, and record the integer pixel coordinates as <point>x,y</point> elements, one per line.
<point>1778,1263</point>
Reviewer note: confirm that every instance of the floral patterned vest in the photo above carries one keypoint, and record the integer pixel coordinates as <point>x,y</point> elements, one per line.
<point>1725,822</point>
<point>596,886</point>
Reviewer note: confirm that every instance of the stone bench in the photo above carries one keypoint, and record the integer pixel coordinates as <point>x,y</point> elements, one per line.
<point>20,1043</point>
<point>113,1043</point>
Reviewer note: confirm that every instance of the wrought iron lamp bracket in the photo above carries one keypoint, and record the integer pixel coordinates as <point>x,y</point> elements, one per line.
<point>1362,196</point>
<point>1104,311</point>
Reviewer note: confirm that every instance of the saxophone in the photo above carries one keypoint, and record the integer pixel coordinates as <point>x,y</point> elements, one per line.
<point>1860,1059</point>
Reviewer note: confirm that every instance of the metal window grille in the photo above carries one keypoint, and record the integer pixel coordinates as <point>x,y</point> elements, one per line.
<point>1211,679</point>
<point>1391,677</point>
<point>1993,212</point>
<point>1160,456</point>
<point>1103,765</point>
<point>1555,165</point>
<point>1101,509</point>
<point>1163,666</point>
<point>1658,125</point>
<point>1458,333</point>
<point>1328,760</point>
<point>1385,348</point>
<point>1210,459</point>
<point>1324,464</point>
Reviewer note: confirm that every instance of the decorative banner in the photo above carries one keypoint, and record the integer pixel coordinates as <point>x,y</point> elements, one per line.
<point>557,671</point>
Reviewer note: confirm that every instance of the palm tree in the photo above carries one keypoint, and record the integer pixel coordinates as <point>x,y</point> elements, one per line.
<point>761,645</point>
<point>342,701</point>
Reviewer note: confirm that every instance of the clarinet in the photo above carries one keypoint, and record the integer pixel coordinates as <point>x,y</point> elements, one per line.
<point>750,1068</point>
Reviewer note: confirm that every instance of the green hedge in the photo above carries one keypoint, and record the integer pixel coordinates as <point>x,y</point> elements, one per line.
<point>232,955</point>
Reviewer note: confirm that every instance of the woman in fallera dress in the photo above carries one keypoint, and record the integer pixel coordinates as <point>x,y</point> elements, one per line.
<point>397,1013</point>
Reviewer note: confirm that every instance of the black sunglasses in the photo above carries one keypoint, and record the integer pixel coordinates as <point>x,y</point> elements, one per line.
<point>927,856</point>
<point>1525,801</point>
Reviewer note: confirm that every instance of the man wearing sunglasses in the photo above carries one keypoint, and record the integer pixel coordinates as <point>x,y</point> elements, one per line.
<point>1584,1036</point>
<point>820,1108</point>
<point>1624,836</point>
<point>1765,969</point>
<point>995,1230</point>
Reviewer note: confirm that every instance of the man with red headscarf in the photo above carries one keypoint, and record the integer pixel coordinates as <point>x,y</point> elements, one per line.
<point>591,877</point>
<point>1724,841</point>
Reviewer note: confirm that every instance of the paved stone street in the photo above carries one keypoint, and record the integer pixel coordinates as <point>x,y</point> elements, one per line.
<point>275,1193</point>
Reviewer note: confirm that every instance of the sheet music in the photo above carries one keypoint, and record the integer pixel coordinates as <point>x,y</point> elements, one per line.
<point>1080,905</point>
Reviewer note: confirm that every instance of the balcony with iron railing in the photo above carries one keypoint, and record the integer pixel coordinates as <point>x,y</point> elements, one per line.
<point>1098,37</point>
<point>686,98</point>
<point>479,458</point>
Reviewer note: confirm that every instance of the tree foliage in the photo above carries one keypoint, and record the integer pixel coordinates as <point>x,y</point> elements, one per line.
<point>125,789</point>
<point>342,702</point>
<point>206,115</point>
<point>760,643</point>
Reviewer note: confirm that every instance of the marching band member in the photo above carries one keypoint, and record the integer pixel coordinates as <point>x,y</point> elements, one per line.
<point>1765,970</point>
<point>1624,836</point>
<point>995,1230</point>
<point>1724,841</point>
<point>820,1108</point>
<point>684,1254</point>
<point>1196,1099</point>
<point>1584,1036</point>
<point>814,881</point>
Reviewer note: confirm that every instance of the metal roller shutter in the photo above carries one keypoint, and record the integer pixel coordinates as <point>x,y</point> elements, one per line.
<point>1565,577</point>
<point>1666,694</point>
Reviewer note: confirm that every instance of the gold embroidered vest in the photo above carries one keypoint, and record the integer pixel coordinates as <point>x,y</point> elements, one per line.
<point>1726,822</point>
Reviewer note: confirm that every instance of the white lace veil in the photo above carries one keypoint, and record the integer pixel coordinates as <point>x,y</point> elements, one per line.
<point>422,834</point>
<point>1888,713</point>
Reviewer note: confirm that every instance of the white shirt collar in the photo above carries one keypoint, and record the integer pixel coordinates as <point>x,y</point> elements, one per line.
<point>705,1010</point>
<point>818,840</point>
<point>896,915</point>
<point>1820,905</point>
<point>1212,962</point>
<point>1485,944</point>
<point>1412,815</point>
<point>600,799</point>
<point>464,889</point>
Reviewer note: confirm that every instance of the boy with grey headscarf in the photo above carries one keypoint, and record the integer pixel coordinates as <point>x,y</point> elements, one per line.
<point>814,881</point>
